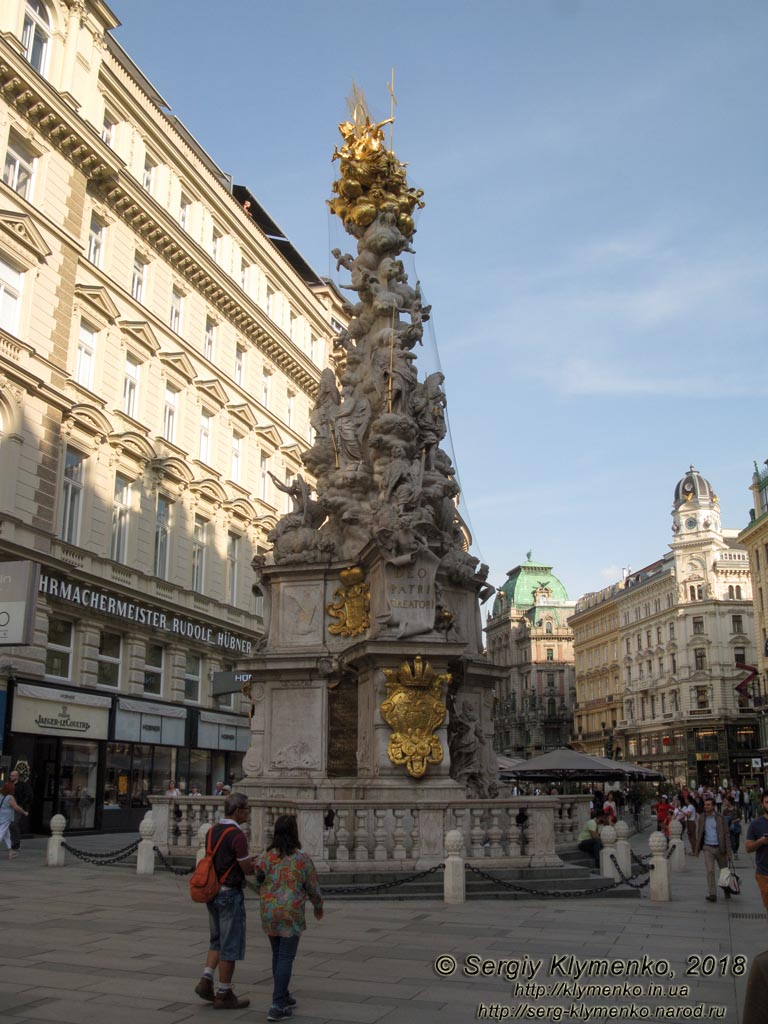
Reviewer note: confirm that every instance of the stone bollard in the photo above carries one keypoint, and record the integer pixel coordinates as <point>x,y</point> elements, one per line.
<point>660,888</point>
<point>202,839</point>
<point>677,856</point>
<point>623,849</point>
<point>54,857</point>
<point>145,855</point>
<point>454,882</point>
<point>607,868</point>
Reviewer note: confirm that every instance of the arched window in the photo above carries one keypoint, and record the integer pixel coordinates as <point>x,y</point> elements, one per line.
<point>692,592</point>
<point>548,628</point>
<point>730,593</point>
<point>36,35</point>
<point>738,593</point>
<point>700,593</point>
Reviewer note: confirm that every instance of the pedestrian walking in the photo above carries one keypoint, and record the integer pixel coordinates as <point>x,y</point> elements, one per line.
<point>22,794</point>
<point>712,839</point>
<point>690,820</point>
<point>226,911</point>
<point>8,808</point>
<point>287,878</point>
<point>757,843</point>
<point>733,817</point>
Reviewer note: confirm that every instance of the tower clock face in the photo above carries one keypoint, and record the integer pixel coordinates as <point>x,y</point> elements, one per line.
<point>690,523</point>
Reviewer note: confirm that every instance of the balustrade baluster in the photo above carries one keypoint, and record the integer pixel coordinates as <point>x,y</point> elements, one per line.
<point>398,836</point>
<point>342,835</point>
<point>494,834</point>
<point>379,835</point>
<point>361,835</point>
<point>477,833</point>
<point>415,834</point>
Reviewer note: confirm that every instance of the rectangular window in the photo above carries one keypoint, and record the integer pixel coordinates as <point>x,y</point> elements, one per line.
<point>233,552</point>
<point>270,307</point>
<point>313,348</point>
<point>199,539</point>
<point>289,410</point>
<point>185,204</point>
<point>19,168</point>
<point>648,638</point>
<point>658,634</point>
<point>86,352</point>
<point>237,456</point>
<point>177,303</point>
<point>700,659</point>
<point>639,641</point>
<point>10,295</point>
<point>192,671</point>
<point>108,659</point>
<point>265,388</point>
<point>162,535</point>
<point>244,268</point>
<point>210,337</point>
<point>137,278</point>
<point>550,654</point>
<point>698,626</point>
<point>737,624</point>
<point>701,699</point>
<point>121,509</point>
<point>35,35</point>
<point>153,669</point>
<point>673,658</point>
<point>628,645</point>
<point>661,667</point>
<point>671,631</point>
<point>263,476</point>
<point>292,320</point>
<point>287,500</point>
<point>108,129</point>
<point>58,654</point>
<point>206,420</point>
<point>72,494</point>
<point>216,244</point>
<point>740,655</point>
<point>95,241</point>
<point>130,386</point>
<point>148,174</point>
<point>169,413</point>
<point>239,365</point>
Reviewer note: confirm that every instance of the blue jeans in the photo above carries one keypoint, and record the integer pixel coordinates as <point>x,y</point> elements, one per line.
<point>226,914</point>
<point>283,952</point>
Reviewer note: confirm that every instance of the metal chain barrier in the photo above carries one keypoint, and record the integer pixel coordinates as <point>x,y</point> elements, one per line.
<point>347,890</point>
<point>640,860</point>
<point>556,893</point>
<point>102,858</point>
<point>628,881</point>
<point>168,866</point>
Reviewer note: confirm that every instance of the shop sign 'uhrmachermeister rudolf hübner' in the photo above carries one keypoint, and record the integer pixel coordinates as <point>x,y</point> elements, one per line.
<point>119,607</point>
<point>18,587</point>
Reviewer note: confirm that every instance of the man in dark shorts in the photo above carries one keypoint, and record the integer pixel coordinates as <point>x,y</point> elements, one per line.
<point>226,912</point>
<point>757,843</point>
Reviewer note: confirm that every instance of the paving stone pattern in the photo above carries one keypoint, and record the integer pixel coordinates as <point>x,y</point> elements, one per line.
<point>86,945</point>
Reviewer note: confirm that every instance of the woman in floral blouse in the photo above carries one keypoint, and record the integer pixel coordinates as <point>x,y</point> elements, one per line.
<point>287,878</point>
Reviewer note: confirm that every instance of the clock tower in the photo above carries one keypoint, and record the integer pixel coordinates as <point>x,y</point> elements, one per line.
<point>695,508</point>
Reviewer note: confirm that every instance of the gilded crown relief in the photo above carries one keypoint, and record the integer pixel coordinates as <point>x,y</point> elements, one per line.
<point>414,709</point>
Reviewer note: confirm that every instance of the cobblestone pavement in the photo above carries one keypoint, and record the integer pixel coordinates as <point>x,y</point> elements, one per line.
<point>85,945</point>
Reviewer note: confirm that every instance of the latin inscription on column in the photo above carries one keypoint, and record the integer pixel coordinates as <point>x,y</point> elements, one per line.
<point>342,729</point>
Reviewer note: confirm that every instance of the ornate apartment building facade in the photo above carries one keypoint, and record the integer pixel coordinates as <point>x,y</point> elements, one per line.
<point>161,344</point>
<point>685,651</point>
<point>754,537</point>
<point>528,632</point>
<point>599,692</point>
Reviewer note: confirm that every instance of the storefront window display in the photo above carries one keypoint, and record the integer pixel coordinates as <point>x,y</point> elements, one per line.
<point>77,785</point>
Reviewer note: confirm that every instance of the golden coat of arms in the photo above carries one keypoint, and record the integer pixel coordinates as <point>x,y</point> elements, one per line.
<point>413,709</point>
<point>351,605</point>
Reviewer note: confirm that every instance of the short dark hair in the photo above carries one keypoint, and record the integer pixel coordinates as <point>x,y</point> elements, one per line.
<point>234,802</point>
<point>285,838</point>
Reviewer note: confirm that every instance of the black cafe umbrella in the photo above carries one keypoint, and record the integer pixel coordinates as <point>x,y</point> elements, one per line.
<point>565,764</point>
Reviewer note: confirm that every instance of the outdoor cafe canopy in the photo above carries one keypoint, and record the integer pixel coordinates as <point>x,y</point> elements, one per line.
<point>565,764</point>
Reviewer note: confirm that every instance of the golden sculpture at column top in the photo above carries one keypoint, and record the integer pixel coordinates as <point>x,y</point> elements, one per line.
<point>413,709</point>
<point>372,178</point>
<point>351,604</point>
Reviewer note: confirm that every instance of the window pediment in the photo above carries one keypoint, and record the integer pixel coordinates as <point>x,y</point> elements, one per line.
<point>211,391</point>
<point>99,302</point>
<point>133,446</point>
<point>86,425</point>
<point>179,364</point>
<point>140,339</point>
<point>209,490</point>
<point>173,469</point>
<point>270,434</point>
<point>22,239</point>
<point>243,413</point>
<point>241,509</point>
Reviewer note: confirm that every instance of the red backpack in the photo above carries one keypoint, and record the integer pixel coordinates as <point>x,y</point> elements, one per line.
<point>204,884</point>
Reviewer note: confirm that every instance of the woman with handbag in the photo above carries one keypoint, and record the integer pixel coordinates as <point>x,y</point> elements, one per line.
<point>287,878</point>
<point>8,808</point>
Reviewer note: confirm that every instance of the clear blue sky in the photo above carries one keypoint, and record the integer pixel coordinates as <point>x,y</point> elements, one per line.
<point>593,244</point>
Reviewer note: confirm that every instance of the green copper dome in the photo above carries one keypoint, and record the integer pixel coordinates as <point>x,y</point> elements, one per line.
<point>527,585</point>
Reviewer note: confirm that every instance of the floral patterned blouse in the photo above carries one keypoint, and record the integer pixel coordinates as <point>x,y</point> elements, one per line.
<point>289,881</point>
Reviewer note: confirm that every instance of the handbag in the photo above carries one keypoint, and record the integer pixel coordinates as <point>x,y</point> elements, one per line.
<point>729,880</point>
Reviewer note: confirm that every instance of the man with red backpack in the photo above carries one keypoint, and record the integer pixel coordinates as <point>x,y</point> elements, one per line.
<point>227,845</point>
